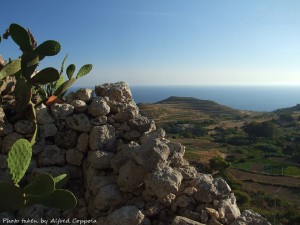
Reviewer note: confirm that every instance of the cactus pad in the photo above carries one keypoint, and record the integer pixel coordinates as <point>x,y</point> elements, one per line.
<point>61,199</point>
<point>40,185</point>
<point>10,69</point>
<point>20,36</point>
<point>12,197</point>
<point>84,70</point>
<point>70,70</point>
<point>48,48</point>
<point>18,159</point>
<point>45,76</point>
<point>60,181</point>
<point>63,65</point>
<point>64,87</point>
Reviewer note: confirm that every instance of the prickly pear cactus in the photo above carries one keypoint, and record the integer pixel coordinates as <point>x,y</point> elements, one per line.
<point>59,198</point>
<point>48,48</point>
<point>18,159</point>
<point>12,197</point>
<point>45,76</point>
<point>84,70</point>
<point>40,185</point>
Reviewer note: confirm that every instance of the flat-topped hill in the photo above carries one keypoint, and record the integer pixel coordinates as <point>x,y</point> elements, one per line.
<point>186,108</point>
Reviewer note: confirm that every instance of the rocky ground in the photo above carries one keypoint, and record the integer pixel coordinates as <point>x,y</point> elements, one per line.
<point>122,169</point>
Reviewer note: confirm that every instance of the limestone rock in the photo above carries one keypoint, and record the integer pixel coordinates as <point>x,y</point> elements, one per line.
<point>98,107</point>
<point>83,142</point>
<point>84,94</point>
<point>100,136</point>
<point>51,156</point>
<point>179,220</point>
<point>249,217</point>
<point>24,127</point>
<point>79,106</point>
<point>148,136</point>
<point>108,198</point>
<point>152,154</point>
<point>127,215</point>
<point>100,159</point>
<point>129,112</point>
<point>131,176</point>
<point>119,92</point>
<point>142,124</point>
<point>79,122</point>
<point>9,140</point>
<point>48,130</point>
<point>66,138</point>
<point>207,191</point>
<point>74,157</point>
<point>229,209</point>
<point>163,181</point>
<point>43,115</point>
<point>98,121</point>
<point>61,111</point>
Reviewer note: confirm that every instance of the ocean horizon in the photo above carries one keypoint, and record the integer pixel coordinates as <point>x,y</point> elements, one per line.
<point>252,98</point>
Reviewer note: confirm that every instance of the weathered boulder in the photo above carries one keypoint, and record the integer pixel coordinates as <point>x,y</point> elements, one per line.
<point>100,159</point>
<point>152,154</point>
<point>249,217</point>
<point>74,157</point>
<point>98,107</point>
<point>127,215</point>
<point>84,94</point>
<point>79,122</point>
<point>79,106</point>
<point>9,140</point>
<point>52,155</point>
<point>66,138</point>
<point>43,115</point>
<point>119,92</point>
<point>179,220</point>
<point>24,127</point>
<point>131,176</point>
<point>100,136</point>
<point>61,111</point>
<point>108,198</point>
<point>163,182</point>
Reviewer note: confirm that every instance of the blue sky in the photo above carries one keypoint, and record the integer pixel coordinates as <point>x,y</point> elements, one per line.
<point>167,42</point>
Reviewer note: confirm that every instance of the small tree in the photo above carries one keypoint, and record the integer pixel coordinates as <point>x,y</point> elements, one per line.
<point>265,129</point>
<point>218,164</point>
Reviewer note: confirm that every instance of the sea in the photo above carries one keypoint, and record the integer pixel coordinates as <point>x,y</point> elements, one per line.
<point>252,98</point>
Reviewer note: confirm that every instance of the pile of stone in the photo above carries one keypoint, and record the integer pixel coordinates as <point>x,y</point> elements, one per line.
<point>121,168</point>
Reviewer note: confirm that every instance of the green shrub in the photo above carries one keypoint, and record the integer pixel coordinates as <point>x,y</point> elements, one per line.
<point>242,198</point>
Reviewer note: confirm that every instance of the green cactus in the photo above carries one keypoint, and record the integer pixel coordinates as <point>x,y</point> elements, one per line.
<point>10,68</point>
<point>21,37</point>
<point>40,185</point>
<point>64,87</point>
<point>84,70</point>
<point>48,48</point>
<point>44,188</point>
<point>59,198</point>
<point>18,159</point>
<point>45,76</point>
<point>60,181</point>
<point>23,93</point>
<point>12,197</point>
<point>70,70</point>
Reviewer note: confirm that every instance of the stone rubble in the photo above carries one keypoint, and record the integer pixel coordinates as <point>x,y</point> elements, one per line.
<point>121,168</point>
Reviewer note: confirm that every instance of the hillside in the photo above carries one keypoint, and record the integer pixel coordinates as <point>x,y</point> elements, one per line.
<point>292,109</point>
<point>187,108</point>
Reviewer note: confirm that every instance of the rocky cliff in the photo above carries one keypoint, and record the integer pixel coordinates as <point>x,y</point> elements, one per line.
<point>121,168</point>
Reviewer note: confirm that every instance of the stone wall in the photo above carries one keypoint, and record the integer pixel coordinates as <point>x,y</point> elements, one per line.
<point>121,168</point>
